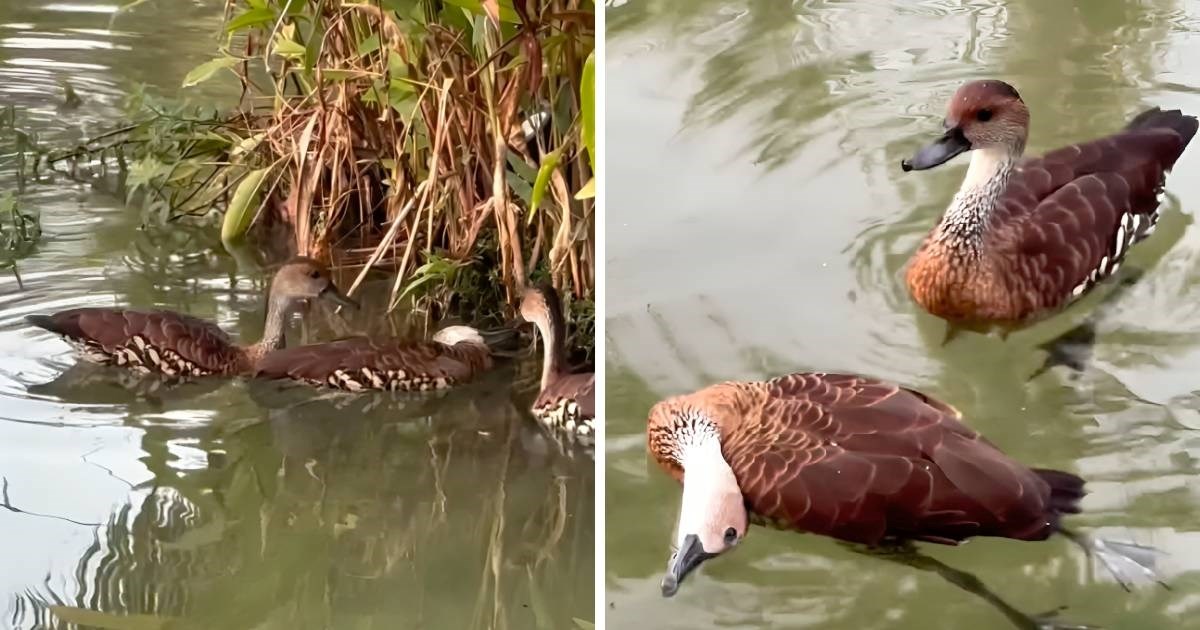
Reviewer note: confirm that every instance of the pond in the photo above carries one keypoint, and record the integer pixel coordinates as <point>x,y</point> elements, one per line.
<point>757,224</point>
<point>230,504</point>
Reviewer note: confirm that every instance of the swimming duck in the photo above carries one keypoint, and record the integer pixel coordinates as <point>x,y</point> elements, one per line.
<point>453,356</point>
<point>852,458</point>
<point>178,345</point>
<point>567,401</point>
<point>1025,237</point>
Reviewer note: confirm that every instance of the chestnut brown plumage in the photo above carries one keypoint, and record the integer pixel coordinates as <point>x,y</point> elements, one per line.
<point>453,356</point>
<point>1024,238</point>
<point>178,345</point>
<point>849,457</point>
<point>566,401</point>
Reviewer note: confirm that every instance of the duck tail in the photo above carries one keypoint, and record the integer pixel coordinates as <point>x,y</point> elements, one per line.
<point>1172,119</point>
<point>1066,490</point>
<point>63,324</point>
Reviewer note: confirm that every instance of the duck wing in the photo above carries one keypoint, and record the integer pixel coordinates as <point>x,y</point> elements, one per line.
<point>371,364</point>
<point>864,460</point>
<point>151,336</point>
<point>1068,218</point>
<point>578,387</point>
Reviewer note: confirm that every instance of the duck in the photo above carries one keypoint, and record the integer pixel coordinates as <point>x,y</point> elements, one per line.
<point>173,344</point>
<point>453,356</point>
<point>566,401</point>
<point>1025,237</point>
<point>853,458</point>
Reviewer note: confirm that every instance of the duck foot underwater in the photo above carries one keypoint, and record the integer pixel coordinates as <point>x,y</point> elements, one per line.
<point>1074,348</point>
<point>907,554</point>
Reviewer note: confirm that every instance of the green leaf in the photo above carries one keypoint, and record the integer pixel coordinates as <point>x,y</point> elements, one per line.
<point>243,206</point>
<point>588,191</point>
<point>252,17</point>
<point>287,47</point>
<point>206,70</point>
<point>507,14</point>
<point>368,45</point>
<point>248,144</point>
<point>336,74</point>
<point>587,103</point>
<point>550,162</point>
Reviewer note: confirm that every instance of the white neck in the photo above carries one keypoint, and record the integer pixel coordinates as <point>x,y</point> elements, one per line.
<point>986,164</point>
<point>987,177</point>
<point>707,477</point>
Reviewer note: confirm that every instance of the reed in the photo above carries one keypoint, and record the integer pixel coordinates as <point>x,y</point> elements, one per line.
<point>408,140</point>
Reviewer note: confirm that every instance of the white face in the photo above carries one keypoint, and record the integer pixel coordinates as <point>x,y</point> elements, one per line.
<point>712,517</point>
<point>452,335</point>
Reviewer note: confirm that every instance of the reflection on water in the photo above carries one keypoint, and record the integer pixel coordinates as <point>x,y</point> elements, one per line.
<point>226,503</point>
<point>759,223</point>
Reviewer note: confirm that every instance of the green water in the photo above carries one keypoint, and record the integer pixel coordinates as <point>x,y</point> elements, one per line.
<point>230,504</point>
<point>757,224</point>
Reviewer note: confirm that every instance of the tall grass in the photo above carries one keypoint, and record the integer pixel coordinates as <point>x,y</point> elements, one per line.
<point>390,135</point>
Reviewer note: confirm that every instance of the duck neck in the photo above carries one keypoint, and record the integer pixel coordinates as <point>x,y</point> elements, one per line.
<point>554,333</point>
<point>272,338</point>
<point>966,220</point>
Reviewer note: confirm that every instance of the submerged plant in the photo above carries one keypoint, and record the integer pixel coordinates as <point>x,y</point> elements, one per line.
<point>19,233</point>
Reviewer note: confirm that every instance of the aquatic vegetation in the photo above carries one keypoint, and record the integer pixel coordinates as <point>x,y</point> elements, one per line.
<point>20,232</point>
<point>444,143</point>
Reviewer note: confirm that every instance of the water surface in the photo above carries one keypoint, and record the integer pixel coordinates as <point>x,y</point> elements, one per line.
<point>230,504</point>
<point>758,223</point>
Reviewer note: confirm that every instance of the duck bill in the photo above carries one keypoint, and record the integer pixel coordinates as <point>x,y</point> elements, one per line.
<point>938,152</point>
<point>332,294</point>
<point>689,556</point>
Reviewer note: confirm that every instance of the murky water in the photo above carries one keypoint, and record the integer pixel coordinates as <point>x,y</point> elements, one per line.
<point>230,504</point>
<point>757,224</point>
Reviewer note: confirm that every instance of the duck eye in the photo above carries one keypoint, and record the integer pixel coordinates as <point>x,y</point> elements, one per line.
<point>984,115</point>
<point>314,274</point>
<point>730,536</point>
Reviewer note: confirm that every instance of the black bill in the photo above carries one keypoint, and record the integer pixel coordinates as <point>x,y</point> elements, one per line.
<point>689,556</point>
<point>940,151</point>
<point>332,294</point>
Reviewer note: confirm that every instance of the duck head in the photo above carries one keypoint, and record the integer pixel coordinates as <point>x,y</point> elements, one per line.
<point>712,516</point>
<point>986,115</point>
<point>302,279</point>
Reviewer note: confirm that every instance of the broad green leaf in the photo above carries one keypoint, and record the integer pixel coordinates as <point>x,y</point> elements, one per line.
<point>288,47</point>
<point>550,162</point>
<point>507,14</point>
<point>336,74</point>
<point>246,145</point>
<point>587,103</point>
<point>243,206</point>
<point>206,70</point>
<point>252,17</point>
<point>397,68</point>
<point>108,621</point>
<point>368,45</point>
<point>588,191</point>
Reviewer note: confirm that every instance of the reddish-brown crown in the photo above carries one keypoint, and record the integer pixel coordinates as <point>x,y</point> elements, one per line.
<point>988,97</point>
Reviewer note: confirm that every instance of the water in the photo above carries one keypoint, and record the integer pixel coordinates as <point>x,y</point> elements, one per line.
<point>229,504</point>
<point>758,223</point>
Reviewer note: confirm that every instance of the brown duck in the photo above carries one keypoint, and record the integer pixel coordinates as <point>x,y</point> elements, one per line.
<point>1025,237</point>
<point>453,356</point>
<point>567,401</point>
<point>178,345</point>
<point>853,458</point>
